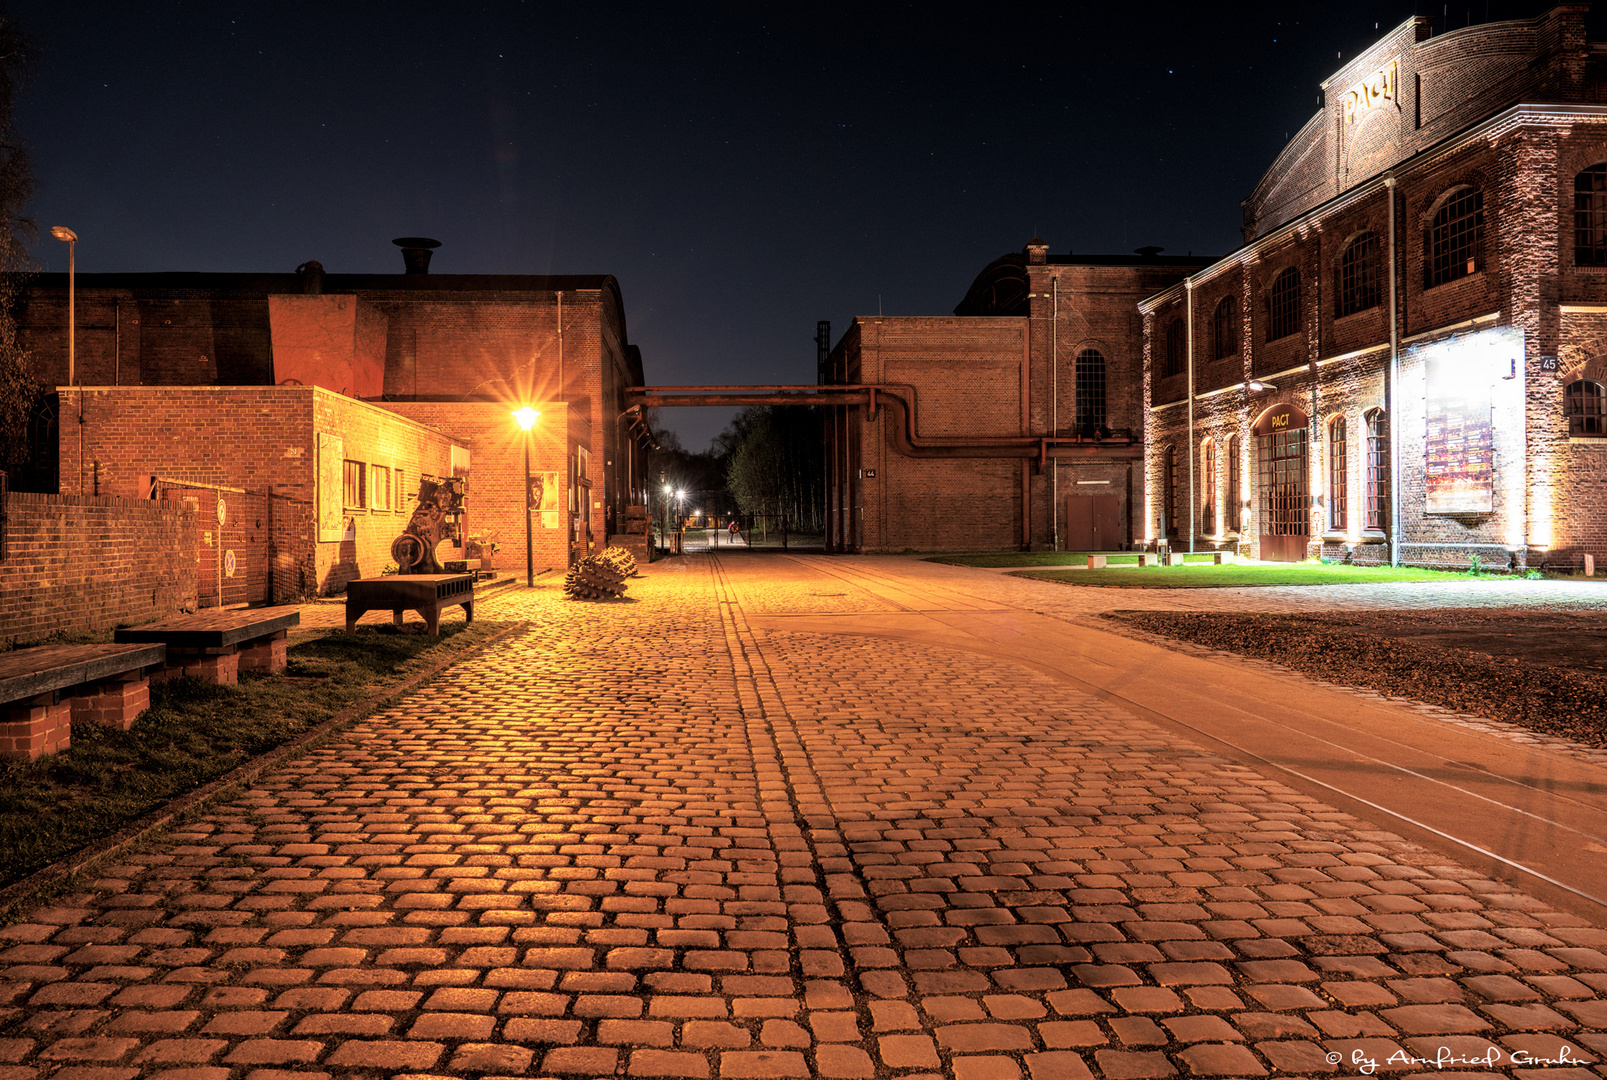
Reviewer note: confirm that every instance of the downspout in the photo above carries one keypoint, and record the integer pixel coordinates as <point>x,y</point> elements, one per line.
<point>1026,430</point>
<point>560,295</point>
<point>1188,311</point>
<point>1054,407</point>
<point>1392,391</point>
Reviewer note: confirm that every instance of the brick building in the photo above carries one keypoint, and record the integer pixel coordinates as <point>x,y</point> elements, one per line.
<point>1014,423</point>
<point>415,374</point>
<point>1408,358</point>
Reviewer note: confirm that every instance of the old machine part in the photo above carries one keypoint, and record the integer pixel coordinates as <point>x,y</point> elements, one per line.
<point>438,516</point>
<point>599,576</point>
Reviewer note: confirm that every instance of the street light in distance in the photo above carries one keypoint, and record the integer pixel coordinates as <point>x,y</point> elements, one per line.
<point>527,417</point>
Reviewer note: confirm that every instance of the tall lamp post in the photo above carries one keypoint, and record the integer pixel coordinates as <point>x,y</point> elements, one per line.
<point>527,419</point>
<point>70,238</point>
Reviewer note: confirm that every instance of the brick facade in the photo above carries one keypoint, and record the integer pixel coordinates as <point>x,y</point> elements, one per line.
<point>1508,322</point>
<point>77,564</point>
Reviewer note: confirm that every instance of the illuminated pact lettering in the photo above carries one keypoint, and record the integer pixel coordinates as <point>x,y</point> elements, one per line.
<point>1372,91</point>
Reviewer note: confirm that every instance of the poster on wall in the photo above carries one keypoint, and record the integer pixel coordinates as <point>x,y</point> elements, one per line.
<point>331,488</point>
<point>1459,430</point>
<point>544,498</point>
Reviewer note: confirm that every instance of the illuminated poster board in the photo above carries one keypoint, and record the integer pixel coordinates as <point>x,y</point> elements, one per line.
<point>1459,432</point>
<point>544,498</point>
<point>331,488</point>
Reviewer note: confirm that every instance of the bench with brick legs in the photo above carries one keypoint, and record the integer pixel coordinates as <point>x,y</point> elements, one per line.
<point>44,691</point>
<point>426,594</point>
<point>217,645</point>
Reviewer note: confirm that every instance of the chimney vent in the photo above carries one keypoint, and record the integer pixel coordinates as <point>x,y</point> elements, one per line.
<point>311,275</point>
<point>416,251</point>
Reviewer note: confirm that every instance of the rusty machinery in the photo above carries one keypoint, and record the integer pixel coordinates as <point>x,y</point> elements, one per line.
<point>438,516</point>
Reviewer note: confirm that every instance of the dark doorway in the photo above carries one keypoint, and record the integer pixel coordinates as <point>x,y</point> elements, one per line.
<point>1093,522</point>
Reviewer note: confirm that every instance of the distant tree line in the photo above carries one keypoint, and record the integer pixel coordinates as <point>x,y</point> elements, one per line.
<point>769,460</point>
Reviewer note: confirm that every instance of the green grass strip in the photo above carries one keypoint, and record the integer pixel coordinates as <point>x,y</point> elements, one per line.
<point>195,732</point>
<point>1239,575</point>
<point>990,560</point>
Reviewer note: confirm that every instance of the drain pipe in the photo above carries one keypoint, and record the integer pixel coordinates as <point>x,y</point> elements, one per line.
<point>1054,406</point>
<point>1188,312</point>
<point>1392,392</point>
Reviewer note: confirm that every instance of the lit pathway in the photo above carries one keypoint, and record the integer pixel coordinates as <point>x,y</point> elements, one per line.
<point>672,837</point>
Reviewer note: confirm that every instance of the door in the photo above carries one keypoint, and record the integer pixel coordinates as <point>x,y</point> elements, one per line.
<point>1283,491</point>
<point>1093,523</point>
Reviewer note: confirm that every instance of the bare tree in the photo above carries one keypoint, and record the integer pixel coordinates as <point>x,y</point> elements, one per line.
<point>21,394</point>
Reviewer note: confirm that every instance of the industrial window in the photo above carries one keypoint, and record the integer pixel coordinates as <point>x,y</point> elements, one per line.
<point>1284,502</point>
<point>1283,305</point>
<point>1090,391</point>
<point>1590,216</point>
<point>355,475</point>
<point>398,491</point>
<point>1176,362</point>
<point>1337,465</point>
<point>1587,408</point>
<point>1235,490</point>
<point>379,487</point>
<point>1358,275</point>
<point>1208,484</point>
<point>1377,517</point>
<point>1454,238</point>
<point>1225,328</point>
<point>1169,505</point>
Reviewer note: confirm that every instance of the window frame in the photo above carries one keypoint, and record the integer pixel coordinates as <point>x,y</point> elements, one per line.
<point>1453,243</point>
<point>1225,328</point>
<point>1338,475</point>
<point>1090,390</point>
<point>1358,288</point>
<point>1283,304</point>
<point>1584,422</point>
<point>1235,486</point>
<point>1169,495</point>
<point>352,468</point>
<point>1209,494</point>
<point>1176,347</point>
<point>1375,508</point>
<point>380,495</point>
<point>1590,215</point>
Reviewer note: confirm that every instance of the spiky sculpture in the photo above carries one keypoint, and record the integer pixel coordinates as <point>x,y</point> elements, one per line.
<point>593,578</point>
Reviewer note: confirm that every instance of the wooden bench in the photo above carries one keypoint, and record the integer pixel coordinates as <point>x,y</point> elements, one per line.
<point>44,691</point>
<point>426,594</point>
<point>217,645</point>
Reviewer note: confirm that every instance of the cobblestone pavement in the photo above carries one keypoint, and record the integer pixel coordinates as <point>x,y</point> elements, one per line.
<point>649,839</point>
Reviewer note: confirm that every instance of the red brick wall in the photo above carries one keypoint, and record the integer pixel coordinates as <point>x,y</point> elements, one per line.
<point>77,564</point>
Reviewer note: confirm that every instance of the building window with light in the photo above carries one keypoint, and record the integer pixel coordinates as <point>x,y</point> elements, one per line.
<point>1090,386</point>
<point>356,490</point>
<point>1234,498</point>
<point>1454,238</point>
<point>1283,305</point>
<point>1225,328</point>
<point>1176,360</point>
<point>1377,506</point>
<point>1586,409</point>
<point>1590,216</point>
<point>1208,485</point>
<point>1358,276</point>
<point>1338,465</point>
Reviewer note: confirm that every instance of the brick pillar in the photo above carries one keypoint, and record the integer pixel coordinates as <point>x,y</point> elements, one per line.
<point>221,666</point>
<point>266,655</point>
<point>115,702</point>
<point>32,729</point>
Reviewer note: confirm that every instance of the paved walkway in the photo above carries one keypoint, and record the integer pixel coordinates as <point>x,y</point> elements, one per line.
<point>673,837</point>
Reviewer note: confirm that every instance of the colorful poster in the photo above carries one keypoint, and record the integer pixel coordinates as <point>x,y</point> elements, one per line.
<point>544,498</point>
<point>1459,432</point>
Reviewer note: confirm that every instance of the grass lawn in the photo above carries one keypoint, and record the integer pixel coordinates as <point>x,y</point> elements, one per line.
<point>195,732</point>
<point>997,559</point>
<point>1240,574</point>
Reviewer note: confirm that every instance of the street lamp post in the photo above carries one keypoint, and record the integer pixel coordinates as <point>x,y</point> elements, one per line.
<point>70,238</point>
<point>527,419</point>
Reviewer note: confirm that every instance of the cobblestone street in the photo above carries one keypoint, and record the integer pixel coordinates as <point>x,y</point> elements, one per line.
<point>655,839</point>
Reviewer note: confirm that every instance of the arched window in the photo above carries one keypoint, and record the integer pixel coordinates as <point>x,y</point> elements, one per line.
<point>1590,216</point>
<point>1454,238</point>
<point>1176,361</point>
<point>1283,305</point>
<point>1586,408</point>
<point>1358,276</point>
<point>1090,381</point>
<point>1225,328</point>
<point>1377,508</point>
<point>1208,487</point>
<point>1169,492</point>
<point>1235,495</point>
<point>1338,466</point>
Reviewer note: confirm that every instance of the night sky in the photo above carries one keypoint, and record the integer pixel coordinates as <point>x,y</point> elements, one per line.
<point>743,170</point>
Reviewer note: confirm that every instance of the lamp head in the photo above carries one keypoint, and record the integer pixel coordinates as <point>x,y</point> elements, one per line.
<point>1255,386</point>
<point>527,417</point>
<point>63,233</point>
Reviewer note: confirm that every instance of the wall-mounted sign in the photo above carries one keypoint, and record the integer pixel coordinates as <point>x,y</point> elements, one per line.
<point>1279,418</point>
<point>870,474</point>
<point>1549,363</point>
<point>1370,93</point>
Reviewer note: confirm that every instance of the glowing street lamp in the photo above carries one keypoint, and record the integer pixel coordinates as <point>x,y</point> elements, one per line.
<point>527,417</point>
<point>70,238</point>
